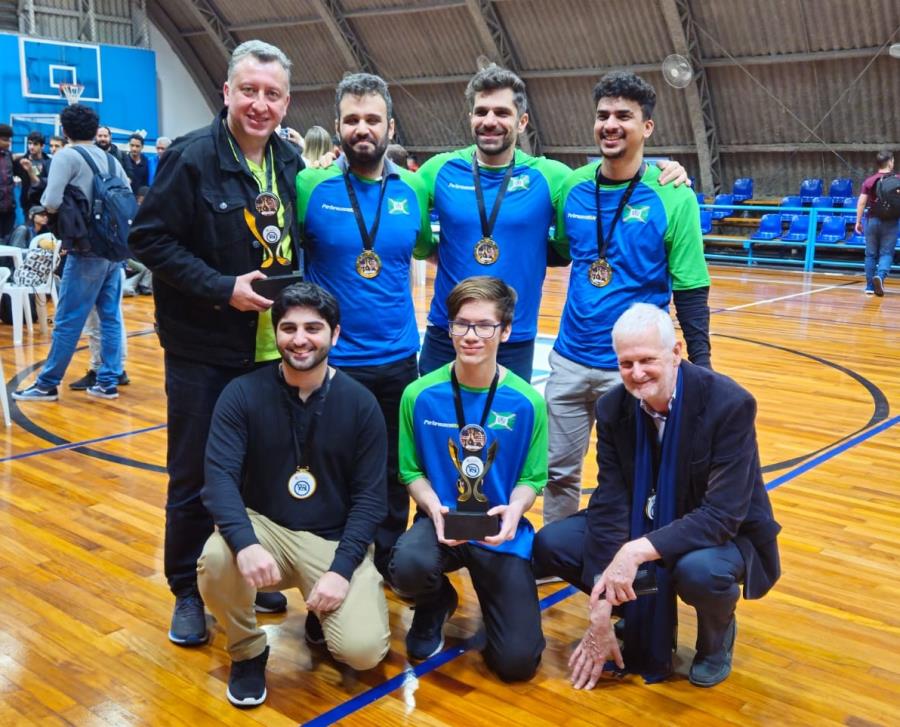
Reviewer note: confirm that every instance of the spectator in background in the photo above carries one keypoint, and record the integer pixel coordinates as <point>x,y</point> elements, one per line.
<point>7,183</point>
<point>412,163</point>
<point>881,234</point>
<point>139,278</point>
<point>32,168</point>
<point>56,143</point>
<point>162,143</point>
<point>316,144</point>
<point>153,160</point>
<point>397,154</point>
<point>104,141</point>
<point>36,225</point>
<point>135,163</point>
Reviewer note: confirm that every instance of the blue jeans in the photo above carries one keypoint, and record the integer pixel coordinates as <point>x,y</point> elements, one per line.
<point>87,281</point>
<point>881,237</point>
<point>437,349</point>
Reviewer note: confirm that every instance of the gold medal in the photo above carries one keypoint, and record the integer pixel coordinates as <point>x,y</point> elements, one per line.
<point>368,264</point>
<point>486,251</point>
<point>600,273</point>
<point>472,438</point>
<point>267,204</point>
<point>302,484</point>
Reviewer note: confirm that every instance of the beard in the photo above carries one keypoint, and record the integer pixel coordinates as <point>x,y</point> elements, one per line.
<point>367,159</point>
<point>104,145</point>
<point>505,143</point>
<point>312,362</point>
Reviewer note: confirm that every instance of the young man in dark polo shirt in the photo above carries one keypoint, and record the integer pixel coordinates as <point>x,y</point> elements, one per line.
<point>295,482</point>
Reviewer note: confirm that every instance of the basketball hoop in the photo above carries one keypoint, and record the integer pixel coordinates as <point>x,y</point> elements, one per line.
<point>71,92</point>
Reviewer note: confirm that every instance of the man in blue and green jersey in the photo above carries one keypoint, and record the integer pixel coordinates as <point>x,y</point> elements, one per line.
<point>363,219</point>
<point>645,245</point>
<point>497,423</point>
<point>495,204</point>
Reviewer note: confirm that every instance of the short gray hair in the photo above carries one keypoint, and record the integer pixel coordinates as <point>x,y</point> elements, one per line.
<point>640,318</point>
<point>362,84</point>
<point>263,52</point>
<point>163,140</point>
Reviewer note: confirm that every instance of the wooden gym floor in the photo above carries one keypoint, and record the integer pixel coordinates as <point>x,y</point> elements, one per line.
<point>85,607</point>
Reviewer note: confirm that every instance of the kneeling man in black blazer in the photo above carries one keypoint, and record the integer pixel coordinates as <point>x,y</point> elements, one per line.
<point>680,504</point>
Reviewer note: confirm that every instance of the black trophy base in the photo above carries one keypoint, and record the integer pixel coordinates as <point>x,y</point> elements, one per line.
<point>470,525</point>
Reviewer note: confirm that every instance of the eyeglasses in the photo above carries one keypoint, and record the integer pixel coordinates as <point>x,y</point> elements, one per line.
<point>482,330</point>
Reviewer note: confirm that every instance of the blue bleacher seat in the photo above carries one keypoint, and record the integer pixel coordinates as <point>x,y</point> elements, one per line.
<point>791,201</point>
<point>701,198</point>
<point>705,221</point>
<point>821,202</point>
<point>742,189</point>
<point>769,227</point>
<point>723,199</point>
<point>810,188</point>
<point>849,208</point>
<point>833,229</point>
<point>841,187</point>
<point>797,230</point>
<point>856,239</point>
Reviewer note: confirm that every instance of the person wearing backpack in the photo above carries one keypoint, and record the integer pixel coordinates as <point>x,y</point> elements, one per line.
<point>93,271</point>
<point>880,197</point>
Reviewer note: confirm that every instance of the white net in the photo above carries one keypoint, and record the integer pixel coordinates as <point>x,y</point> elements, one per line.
<point>71,92</point>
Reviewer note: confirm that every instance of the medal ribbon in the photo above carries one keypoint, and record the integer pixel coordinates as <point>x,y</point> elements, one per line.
<point>457,400</point>
<point>368,236</point>
<point>242,160</point>
<point>487,223</point>
<point>603,242</point>
<point>308,431</point>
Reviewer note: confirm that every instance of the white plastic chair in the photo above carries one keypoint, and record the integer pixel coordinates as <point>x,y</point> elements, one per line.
<point>18,294</point>
<point>4,397</point>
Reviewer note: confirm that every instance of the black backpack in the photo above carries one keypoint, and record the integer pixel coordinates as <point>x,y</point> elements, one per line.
<point>887,198</point>
<point>112,211</point>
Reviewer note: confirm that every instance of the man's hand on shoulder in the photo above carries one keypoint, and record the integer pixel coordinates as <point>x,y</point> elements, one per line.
<point>258,566</point>
<point>243,297</point>
<point>329,593</point>
<point>672,171</point>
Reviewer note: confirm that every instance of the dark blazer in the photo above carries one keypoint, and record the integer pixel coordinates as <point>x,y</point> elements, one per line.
<point>720,492</point>
<point>190,231</point>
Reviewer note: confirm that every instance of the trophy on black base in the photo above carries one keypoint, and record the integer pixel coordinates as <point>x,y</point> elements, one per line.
<point>470,520</point>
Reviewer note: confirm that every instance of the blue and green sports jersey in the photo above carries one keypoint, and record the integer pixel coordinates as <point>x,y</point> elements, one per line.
<point>517,421</point>
<point>378,321</point>
<point>657,247</point>
<point>521,230</point>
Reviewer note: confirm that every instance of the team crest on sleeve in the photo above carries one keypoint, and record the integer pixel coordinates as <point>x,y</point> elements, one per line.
<point>502,421</point>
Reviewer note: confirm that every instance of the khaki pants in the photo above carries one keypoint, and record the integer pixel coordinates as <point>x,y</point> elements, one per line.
<point>357,633</point>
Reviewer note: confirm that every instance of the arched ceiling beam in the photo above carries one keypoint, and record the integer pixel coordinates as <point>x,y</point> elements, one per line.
<point>214,26</point>
<point>495,38</point>
<point>349,45</point>
<point>680,23</point>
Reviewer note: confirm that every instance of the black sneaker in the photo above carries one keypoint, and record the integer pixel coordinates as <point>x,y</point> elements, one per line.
<point>86,381</point>
<point>188,621</point>
<point>270,602</point>
<point>110,392</point>
<point>426,633</point>
<point>711,669</point>
<point>123,378</point>
<point>33,393</point>
<point>247,681</point>
<point>314,635</point>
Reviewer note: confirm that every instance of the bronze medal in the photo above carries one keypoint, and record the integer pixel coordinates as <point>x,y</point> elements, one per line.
<point>368,264</point>
<point>267,204</point>
<point>486,251</point>
<point>600,273</point>
<point>302,484</point>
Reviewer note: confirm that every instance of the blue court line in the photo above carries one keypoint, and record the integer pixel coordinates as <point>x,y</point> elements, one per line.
<point>375,693</point>
<point>84,443</point>
<point>816,461</point>
<point>429,665</point>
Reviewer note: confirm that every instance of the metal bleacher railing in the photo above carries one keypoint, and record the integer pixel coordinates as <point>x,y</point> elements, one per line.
<point>816,254</point>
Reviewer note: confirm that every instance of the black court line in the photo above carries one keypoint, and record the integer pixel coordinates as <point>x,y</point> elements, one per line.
<point>60,443</point>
